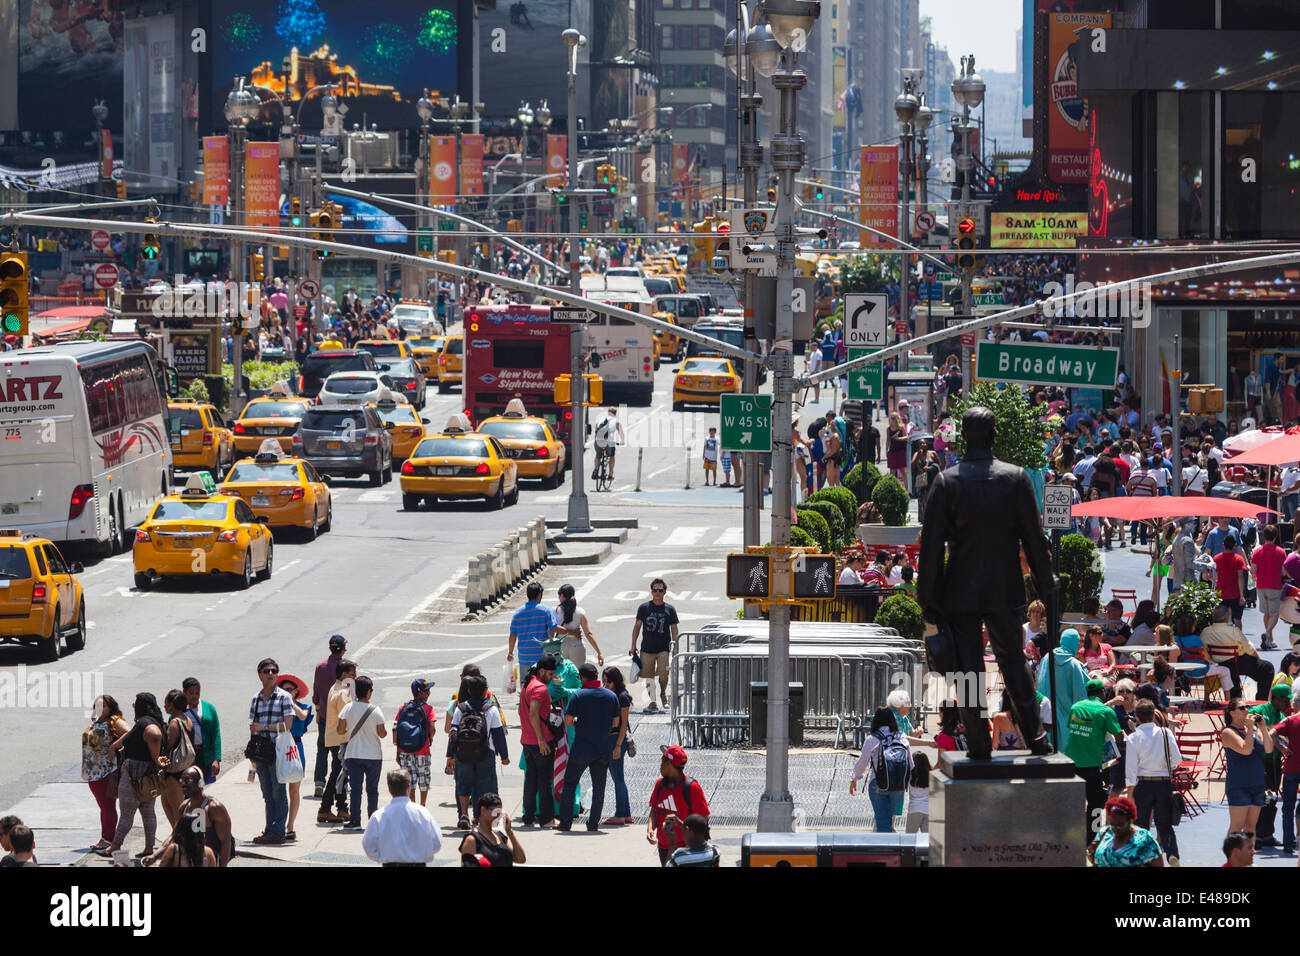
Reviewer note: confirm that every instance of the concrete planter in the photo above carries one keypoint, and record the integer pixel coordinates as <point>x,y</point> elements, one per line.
<point>882,537</point>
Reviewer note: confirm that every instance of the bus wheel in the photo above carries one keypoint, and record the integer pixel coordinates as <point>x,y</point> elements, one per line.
<point>114,540</point>
<point>125,535</point>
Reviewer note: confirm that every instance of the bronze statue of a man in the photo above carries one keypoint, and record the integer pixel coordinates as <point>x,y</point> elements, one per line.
<point>983,511</point>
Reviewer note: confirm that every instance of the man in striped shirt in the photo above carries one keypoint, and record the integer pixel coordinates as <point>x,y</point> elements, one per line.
<point>530,626</point>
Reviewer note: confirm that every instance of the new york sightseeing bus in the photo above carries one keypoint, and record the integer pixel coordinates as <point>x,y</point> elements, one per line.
<point>84,449</point>
<point>514,351</point>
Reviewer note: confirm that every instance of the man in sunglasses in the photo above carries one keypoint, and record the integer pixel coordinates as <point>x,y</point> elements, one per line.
<point>656,625</point>
<point>270,712</point>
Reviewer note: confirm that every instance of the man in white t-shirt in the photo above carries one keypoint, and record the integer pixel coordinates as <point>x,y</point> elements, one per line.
<point>1290,485</point>
<point>363,722</point>
<point>1194,477</point>
<point>606,438</point>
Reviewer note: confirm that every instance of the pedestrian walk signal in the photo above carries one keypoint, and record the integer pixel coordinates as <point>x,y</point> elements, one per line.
<point>813,575</point>
<point>749,576</point>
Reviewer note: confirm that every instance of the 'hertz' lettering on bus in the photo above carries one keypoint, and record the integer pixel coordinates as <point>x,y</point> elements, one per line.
<point>30,389</point>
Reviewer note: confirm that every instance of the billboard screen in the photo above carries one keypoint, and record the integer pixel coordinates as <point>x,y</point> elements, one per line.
<point>381,57</point>
<point>368,223</point>
<point>68,54</point>
<point>523,57</point>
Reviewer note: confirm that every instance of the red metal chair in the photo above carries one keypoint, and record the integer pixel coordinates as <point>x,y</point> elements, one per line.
<point>1190,749</point>
<point>1120,594</point>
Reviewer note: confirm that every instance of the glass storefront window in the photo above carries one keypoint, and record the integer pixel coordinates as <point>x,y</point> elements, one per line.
<point>1261,165</point>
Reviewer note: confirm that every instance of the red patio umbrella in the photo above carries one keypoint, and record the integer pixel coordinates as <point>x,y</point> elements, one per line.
<point>1281,450</point>
<point>1134,508</point>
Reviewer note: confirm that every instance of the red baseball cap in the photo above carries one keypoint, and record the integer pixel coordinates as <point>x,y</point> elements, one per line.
<point>674,755</point>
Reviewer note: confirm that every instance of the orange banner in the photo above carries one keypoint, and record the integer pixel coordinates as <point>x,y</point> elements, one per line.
<point>681,160</point>
<point>878,191</point>
<point>557,158</point>
<point>1067,114</point>
<point>442,171</point>
<point>471,164</point>
<point>106,169</point>
<point>216,170</point>
<point>262,186</point>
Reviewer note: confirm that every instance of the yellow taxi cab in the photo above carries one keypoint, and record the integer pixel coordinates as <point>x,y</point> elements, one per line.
<point>670,345</point>
<point>199,436</point>
<point>384,348</point>
<point>531,443</point>
<point>459,462</point>
<point>287,491</point>
<point>701,381</point>
<point>402,422</point>
<point>451,362</point>
<point>275,415</point>
<point>41,600</point>
<point>201,531</point>
<point>425,352</point>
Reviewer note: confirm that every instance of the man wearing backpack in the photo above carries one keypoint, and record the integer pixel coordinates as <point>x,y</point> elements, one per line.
<point>412,735</point>
<point>477,735</point>
<point>675,796</point>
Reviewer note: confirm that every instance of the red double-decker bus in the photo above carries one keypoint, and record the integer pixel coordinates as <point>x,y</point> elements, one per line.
<point>514,351</point>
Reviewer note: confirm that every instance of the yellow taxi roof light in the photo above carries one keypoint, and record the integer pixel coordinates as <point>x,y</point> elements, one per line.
<point>386,397</point>
<point>515,409</point>
<point>270,448</point>
<point>458,423</point>
<point>195,486</point>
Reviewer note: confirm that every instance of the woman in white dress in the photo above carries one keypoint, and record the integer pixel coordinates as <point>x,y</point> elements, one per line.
<point>571,626</point>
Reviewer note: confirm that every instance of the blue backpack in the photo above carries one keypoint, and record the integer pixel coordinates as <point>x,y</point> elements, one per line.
<point>412,732</point>
<point>891,763</point>
<point>828,350</point>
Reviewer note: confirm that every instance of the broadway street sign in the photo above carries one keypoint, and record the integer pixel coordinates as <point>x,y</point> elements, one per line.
<point>1074,366</point>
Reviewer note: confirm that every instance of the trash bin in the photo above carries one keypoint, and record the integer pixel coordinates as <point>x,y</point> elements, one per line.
<point>758,714</point>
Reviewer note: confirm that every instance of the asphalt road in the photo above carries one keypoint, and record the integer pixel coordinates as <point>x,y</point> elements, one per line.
<point>393,583</point>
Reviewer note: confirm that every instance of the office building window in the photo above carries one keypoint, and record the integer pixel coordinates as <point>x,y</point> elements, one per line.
<point>1261,140</point>
<point>666,38</point>
<point>1260,15</point>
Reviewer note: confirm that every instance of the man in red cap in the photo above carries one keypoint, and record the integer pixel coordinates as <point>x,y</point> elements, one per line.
<point>675,797</point>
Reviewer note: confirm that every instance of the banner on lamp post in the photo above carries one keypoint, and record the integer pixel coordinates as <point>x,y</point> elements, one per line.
<point>442,170</point>
<point>557,156</point>
<point>471,164</point>
<point>216,170</point>
<point>878,191</point>
<point>262,186</point>
<point>681,160</point>
<point>106,169</point>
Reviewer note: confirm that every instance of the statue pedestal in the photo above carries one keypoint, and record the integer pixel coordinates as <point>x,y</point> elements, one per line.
<point>1013,810</point>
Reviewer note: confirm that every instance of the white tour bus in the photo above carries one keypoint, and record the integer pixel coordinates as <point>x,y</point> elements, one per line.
<point>626,350</point>
<point>84,448</point>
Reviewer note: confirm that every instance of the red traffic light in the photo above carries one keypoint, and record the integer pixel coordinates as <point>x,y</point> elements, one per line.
<point>966,226</point>
<point>724,227</point>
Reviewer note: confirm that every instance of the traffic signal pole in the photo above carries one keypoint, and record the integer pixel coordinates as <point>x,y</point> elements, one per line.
<point>579,517</point>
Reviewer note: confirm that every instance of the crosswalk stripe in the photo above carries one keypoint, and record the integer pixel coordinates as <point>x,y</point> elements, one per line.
<point>683,537</point>
<point>378,495</point>
<point>731,538</point>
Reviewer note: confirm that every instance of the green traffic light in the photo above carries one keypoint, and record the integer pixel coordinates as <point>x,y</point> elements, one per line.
<point>12,324</point>
<point>295,221</point>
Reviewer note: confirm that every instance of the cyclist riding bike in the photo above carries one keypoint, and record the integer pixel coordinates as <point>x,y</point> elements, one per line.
<point>606,439</point>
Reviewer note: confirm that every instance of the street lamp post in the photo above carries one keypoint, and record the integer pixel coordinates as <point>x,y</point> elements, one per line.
<point>790,21</point>
<point>579,519</point>
<point>755,52</point>
<point>100,112</point>
<point>242,107</point>
<point>968,90</point>
<point>924,117</point>
<point>905,108</point>
<point>525,116</point>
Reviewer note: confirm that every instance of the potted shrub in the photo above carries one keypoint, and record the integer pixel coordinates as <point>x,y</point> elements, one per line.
<point>862,481</point>
<point>816,526</point>
<point>1196,599</point>
<point>834,519</point>
<point>1081,562</point>
<point>890,498</point>
<point>841,498</point>
<point>902,614</point>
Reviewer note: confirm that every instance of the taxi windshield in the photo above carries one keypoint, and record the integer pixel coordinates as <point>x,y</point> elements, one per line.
<point>398,413</point>
<point>274,410</point>
<point>451,447</point>
<point>524,431</point>
<point>181,510</point>
<point>716,365</point>
<point>253,471</point>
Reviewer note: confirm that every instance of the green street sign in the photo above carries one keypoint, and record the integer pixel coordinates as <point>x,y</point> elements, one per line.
<point>446,225</point>
<point>747,422</point>
<point>582,221</point>
<point>945,277</point>
<point>424,241</point>
<point>988,298</point>
<point>1077,366</point>
<point>868,382</point>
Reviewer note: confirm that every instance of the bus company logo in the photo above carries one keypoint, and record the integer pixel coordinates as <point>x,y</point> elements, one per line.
<point>35,388</point>
<point>114,445</point>
<point>755,221</point>
<point>512,378</point>
<point>487,378</point>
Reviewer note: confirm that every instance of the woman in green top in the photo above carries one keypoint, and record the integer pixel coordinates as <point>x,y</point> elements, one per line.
<point>1160,561</point>
<point>1121,843</point>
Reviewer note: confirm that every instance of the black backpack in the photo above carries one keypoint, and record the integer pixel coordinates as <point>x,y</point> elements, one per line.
<point>472,735</point>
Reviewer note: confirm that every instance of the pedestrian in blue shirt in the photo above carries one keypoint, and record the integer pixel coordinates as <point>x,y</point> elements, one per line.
<point>529,628</point>
<point>593,712</point>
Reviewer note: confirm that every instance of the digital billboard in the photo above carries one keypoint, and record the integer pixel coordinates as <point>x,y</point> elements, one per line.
<point>68,53</point>
<point>523,58</point>
<point>379,56</point>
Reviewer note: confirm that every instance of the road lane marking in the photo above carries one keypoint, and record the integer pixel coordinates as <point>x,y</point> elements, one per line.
<point>591,583</point>
<point>683,538</point>
<point>123,656</point>
<point>731,538</point>
<point>378,495</point>
<point>420,608</point>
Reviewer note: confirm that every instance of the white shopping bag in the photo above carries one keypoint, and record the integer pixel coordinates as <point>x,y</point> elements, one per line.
<point>508,678</point>
<point>288,765</point>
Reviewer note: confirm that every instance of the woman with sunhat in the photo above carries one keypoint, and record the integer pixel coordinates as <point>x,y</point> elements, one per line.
<point>303,716</point>
<point>1120,843</point>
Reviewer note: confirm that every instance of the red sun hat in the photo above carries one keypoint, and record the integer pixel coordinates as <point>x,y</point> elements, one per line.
<point>301,688</point>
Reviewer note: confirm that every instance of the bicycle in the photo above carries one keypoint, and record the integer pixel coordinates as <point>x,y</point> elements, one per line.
<point>604,476</point>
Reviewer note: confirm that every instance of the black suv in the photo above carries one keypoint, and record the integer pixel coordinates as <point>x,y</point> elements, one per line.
<point>407,378</point>
<point>320,365</point>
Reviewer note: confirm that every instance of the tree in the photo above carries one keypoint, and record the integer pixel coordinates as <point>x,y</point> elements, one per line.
<point>1018,436</point>
<point>864,273</point>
